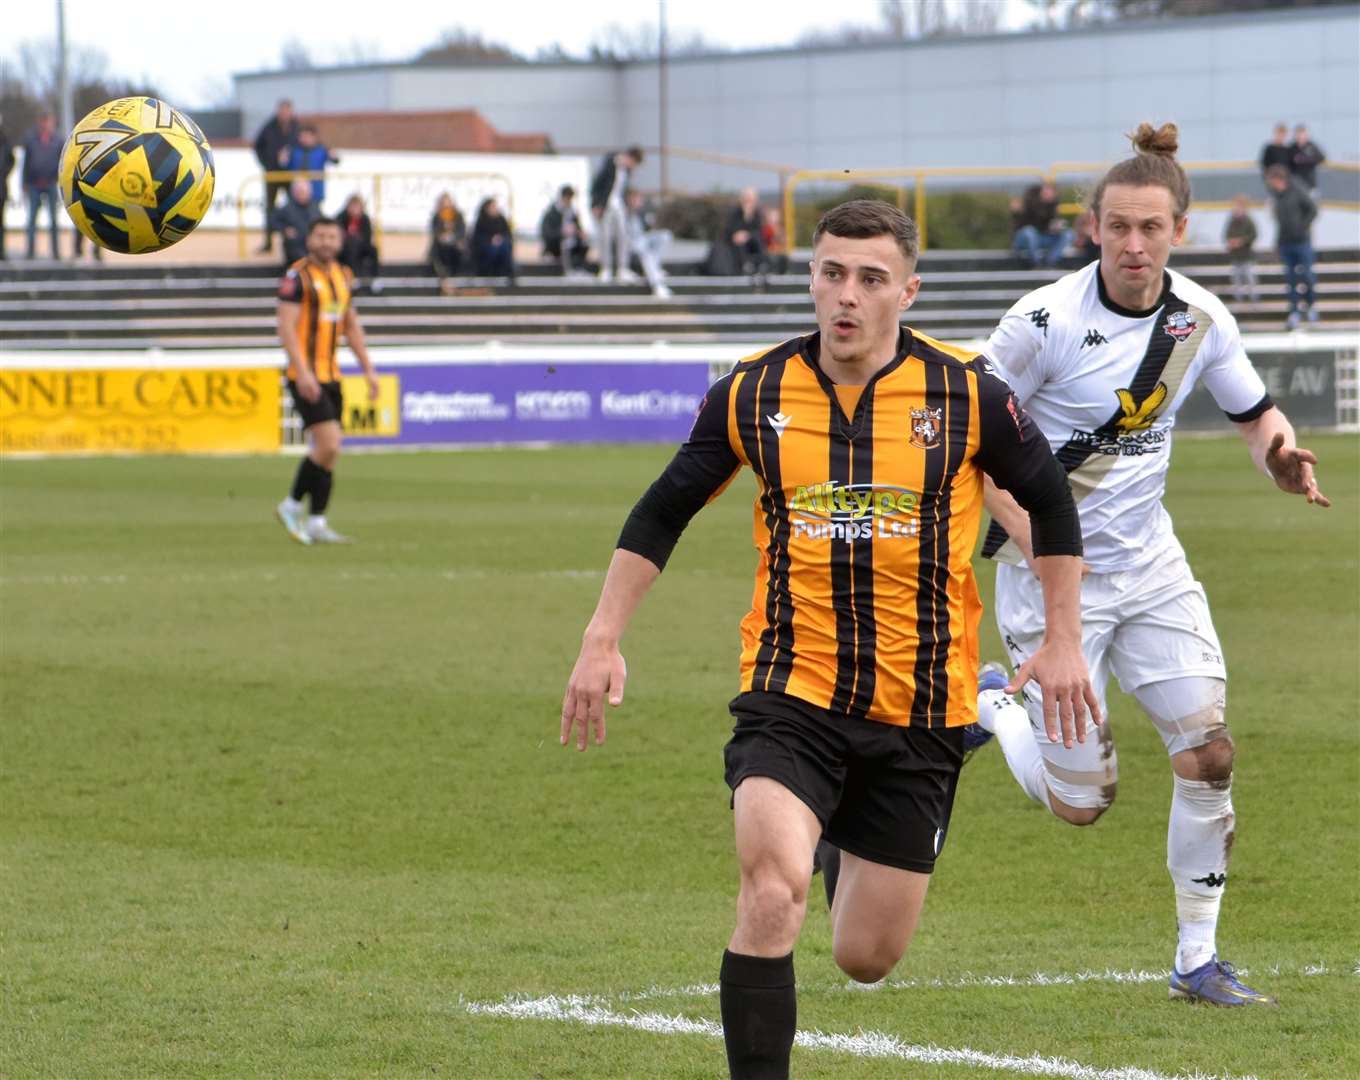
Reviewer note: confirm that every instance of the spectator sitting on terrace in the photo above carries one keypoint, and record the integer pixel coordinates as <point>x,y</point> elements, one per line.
<point>448,234</point>
<point>776,244</point>
<point>563,231</point>
<point>294,219</point>
<point>1040,235</point>
<point>357,250</point>
<point>1083,243</point>
<point>739,248</point>
<point>647,243</point>
<point>308,154</point>
<point>493,244</point>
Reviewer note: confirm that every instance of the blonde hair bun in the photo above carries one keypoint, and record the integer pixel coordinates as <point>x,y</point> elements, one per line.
<point>1163,141</point>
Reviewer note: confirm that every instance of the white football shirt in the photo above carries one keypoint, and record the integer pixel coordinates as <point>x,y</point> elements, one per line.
<point>1104,383</point>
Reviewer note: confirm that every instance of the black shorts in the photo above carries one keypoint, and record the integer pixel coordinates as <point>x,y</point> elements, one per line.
<point>329,406</point>
<point>881,791</point>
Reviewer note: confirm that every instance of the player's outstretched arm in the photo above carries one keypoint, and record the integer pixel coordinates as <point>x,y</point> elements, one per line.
<point>1270,438</point>
<point>600,671</point>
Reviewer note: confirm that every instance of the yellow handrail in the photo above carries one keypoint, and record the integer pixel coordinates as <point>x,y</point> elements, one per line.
<point>288,175</point>
<point>920,174</point>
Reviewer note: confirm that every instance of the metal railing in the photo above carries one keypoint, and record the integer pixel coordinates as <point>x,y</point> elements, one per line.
<point>919,176</point>
<point>376,180</point>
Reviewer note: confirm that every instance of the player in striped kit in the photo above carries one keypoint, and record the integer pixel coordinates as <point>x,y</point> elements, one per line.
<point>1102,359</point>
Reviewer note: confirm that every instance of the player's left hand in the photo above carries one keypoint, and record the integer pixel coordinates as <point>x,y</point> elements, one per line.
<point>372,387</point>
<point>1292,468</point>
<point>1060,670</point>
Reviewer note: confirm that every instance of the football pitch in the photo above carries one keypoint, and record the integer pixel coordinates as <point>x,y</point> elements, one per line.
<point>284,812</point>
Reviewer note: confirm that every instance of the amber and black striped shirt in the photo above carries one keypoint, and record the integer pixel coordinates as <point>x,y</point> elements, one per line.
<point>324,294</point>
<point>865,524</point>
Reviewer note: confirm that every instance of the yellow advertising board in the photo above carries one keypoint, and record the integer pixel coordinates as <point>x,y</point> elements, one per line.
<point>380,417</point>
<point>138,410</point>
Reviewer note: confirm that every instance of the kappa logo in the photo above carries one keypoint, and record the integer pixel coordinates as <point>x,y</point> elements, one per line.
<point>1039,317</point>
<point>1180,325</point>
<point>1214,881</point>
<point>1094,337</point>
<point>1139,416</point>
<point>925,428</point>
<point>779,422</point>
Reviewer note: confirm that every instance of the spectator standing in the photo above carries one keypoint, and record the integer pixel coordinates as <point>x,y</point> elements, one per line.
<point>493,244</point>
<point>309,154</point>
<point>564,234</point>
<point>1294,214</point>
<point>648,244</point>
<point>357,250</point>
<point>6,167</point>
<point>42,158</point>
<point>609,204</point>
<point>1041,236</point>
<point>293,220</point>
<point>1278,150</point>
<point>1304,158</point>
<point>273,145</point>
<point>1240,235</point>
<point>448,234</point>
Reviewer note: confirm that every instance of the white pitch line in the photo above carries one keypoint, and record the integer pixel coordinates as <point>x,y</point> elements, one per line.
<point>965,981</point>
<point>871,1044</point>
<point>269,576</point>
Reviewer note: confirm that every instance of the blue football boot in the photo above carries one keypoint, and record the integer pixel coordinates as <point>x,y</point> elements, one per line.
<point>1217,983</point>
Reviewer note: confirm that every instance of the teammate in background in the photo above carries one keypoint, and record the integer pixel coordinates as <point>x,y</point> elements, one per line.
<point>859,658</point>
<point>314,308</point>
<point>1102,359</point>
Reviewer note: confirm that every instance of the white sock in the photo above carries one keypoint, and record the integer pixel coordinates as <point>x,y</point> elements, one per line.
<point>316,521</point>
<point>1009,722</point>
<point>291,504</point>
<point>1199,836</point>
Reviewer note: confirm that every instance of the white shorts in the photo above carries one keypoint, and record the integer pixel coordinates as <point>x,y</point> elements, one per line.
<point>1143,626</point>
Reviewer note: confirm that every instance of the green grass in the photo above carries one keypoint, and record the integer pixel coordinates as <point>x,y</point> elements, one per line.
<point>271,811</point>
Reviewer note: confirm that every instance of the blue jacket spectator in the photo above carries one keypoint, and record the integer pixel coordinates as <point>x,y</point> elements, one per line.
<point>309,154</point>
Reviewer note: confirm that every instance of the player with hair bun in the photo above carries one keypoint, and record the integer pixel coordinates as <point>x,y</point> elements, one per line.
<point>1101,359</point>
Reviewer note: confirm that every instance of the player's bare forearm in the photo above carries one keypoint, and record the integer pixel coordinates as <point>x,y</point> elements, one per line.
<point>600,672</point>
<point>1010,515</point>
<point>1058,666</point>
<point>1271,443</point>
<point>354,335</point>
<point>287,320</point>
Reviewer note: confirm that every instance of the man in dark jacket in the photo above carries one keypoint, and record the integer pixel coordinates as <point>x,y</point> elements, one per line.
<point>6,167</point>
<point>563,232</point>
<point>1277,151</point>
<point>1041,236</point>
<point>42,158</point>
<point>272,146</point>
<point>609,204</point>
<point>1304,158</point>
<point>1294,214</point>
<point>294,220</point>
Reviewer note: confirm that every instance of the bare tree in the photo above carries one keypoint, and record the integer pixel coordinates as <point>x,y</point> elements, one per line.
<point>614,41</point>
<point>358,51</point>
<point>458,46</point>
<point>294,56</point>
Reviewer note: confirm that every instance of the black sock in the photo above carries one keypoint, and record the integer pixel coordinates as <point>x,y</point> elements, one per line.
<point>321,489</point>
<point>304,479</point>
<point>759,1014</point>
<point>829,861</point>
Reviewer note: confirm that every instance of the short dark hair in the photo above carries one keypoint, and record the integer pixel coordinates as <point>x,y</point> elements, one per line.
<point>862,219</point>
<point>305,128</point>
<point>1277,172</point>
<point>322,220</point>
<point>635,152</point>
<point>566,191</point>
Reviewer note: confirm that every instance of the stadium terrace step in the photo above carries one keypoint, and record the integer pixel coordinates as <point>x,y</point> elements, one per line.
<point>55,306</point>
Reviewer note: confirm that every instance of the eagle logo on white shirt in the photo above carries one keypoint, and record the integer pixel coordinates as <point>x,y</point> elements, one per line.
<point>1139,415</point>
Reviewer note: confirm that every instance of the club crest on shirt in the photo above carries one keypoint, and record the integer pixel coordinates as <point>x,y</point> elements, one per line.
<point>1180,325</point>
<point>925,428</point>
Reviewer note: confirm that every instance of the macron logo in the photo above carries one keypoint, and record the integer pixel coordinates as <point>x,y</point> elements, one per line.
<point>779,422</point>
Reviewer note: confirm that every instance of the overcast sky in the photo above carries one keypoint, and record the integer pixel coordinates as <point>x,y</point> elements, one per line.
<point>248,35</point>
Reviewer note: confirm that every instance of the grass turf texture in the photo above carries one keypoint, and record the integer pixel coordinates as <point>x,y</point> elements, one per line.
<point>275,811</point>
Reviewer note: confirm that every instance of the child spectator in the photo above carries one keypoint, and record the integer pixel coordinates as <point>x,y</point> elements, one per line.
<point>1239,235</point>
<point>448,234</point>
<point>563,232</point>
